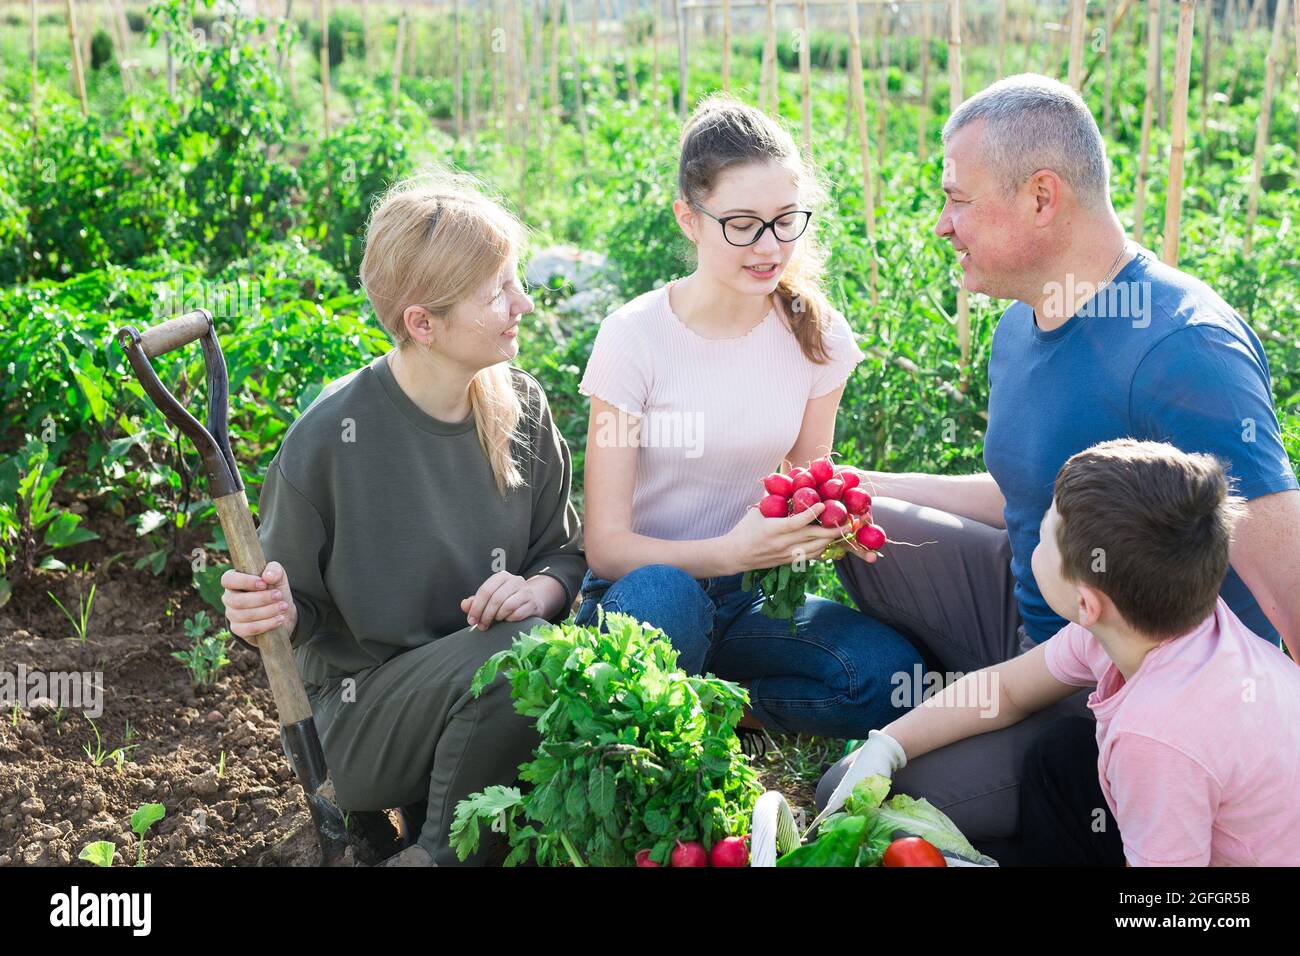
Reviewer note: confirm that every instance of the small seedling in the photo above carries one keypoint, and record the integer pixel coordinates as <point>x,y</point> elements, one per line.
<point>146,816</point>
<point>14,717</point>
<point>197,626</point>
<point>221,765</point>
<point>205,657</point>
<point>80,623</point>
<point>98,754</point>
<point>121,752</point>
<point>99,853</point>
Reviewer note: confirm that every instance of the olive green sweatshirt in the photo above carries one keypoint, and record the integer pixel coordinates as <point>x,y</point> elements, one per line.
<point>385,518</point>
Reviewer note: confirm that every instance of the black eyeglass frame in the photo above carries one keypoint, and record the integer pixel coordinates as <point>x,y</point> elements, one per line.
<point>769,224</point>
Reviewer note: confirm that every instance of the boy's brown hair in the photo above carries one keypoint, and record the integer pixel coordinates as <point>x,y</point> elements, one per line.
<point>1159,519</point>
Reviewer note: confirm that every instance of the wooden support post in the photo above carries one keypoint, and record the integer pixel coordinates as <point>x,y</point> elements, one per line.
<point>1261,127</point>
<point>78,73</point>
<point>1206,45</point>
<point>32,59</point>
<point>1148,114</point>
<point>368,40</point>
<point>457,71</point>
<point>923,114</point>
<point>1297,80</point>
<point>770,59</point>
<point>726,46</point>
<point>399,53</point>
<point>882,82</point>
<point>325,63</point>
<point>1178,132</point>
<point>1112,31</point>
<point>1002,39</point>
<point>577,82</point>
<point>477,26</point>
<point>805,80</point>
<point>1108,85</point>
<point>857,94</point>
<point>655,21</point>
<point>1078,27</point>
<point>955,98</point>
<point>680,17</point>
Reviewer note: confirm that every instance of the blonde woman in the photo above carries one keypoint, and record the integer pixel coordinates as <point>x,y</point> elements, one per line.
<point>417,518</point>
<point>700,388</point>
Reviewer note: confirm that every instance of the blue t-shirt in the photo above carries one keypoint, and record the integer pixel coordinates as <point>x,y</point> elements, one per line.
<point>1157,356</point>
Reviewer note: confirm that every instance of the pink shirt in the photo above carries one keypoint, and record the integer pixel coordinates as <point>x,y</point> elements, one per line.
<point>717,414</point>
<point>1199,754</point>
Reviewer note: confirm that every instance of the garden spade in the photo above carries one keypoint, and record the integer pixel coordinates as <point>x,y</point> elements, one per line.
<point>227,490</point>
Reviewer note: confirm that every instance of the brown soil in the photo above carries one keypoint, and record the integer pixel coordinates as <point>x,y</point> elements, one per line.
<point>54,800</point>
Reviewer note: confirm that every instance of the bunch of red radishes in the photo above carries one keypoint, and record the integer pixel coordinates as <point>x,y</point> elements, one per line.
<point>847,504</point>
<point>729,851</point>
<point>847,507</point>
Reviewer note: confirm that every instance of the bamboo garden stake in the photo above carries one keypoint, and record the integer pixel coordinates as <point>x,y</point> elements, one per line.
<point>956,97</point>
<point>1261,127</point>
<point>398,53</point>
<point>1178,133</point>
<point>1002,39</point>
<point>924,111</point>
<point>325,63</point>
<point>457,70</point>
<point>726,46</point>
<point>78,77</point>
<point>857,94</point>
<point>680,20</point>
<point>1148,112</point>
<point>1107,113</point>
<point>770,59</point>
<point>1078,26</point>
<point>805,80</point>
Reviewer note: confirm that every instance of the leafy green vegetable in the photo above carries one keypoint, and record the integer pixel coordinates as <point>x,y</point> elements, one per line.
<point>921,818</point>
<point>881,822</point>
<point>836,845</point>
<point>634,753</point>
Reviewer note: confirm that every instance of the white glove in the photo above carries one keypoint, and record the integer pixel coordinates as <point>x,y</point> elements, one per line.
<point>881,754</point>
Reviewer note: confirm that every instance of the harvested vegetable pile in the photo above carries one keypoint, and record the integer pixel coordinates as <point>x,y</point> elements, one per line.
<point>863,833</point>
<point>634,754</point>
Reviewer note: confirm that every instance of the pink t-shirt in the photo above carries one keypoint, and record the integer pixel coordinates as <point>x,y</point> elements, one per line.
<point>716,414</point>
<point>1199,753</point>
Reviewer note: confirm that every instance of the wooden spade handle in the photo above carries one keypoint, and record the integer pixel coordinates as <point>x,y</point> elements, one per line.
<point>174,333</point>
<point>246,553</point>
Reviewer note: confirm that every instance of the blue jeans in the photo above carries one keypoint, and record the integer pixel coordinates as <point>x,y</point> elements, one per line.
<point>832,674</point>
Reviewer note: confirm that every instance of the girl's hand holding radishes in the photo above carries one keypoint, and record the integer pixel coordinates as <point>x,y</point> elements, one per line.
<point>757,541</point>
<point>841,507</point>
<point>508,597</point>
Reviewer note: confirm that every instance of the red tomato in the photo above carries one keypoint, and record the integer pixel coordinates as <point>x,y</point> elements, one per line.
<point>913,851</point>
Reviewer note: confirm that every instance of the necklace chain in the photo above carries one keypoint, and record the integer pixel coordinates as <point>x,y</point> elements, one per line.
<point>1114,266</point>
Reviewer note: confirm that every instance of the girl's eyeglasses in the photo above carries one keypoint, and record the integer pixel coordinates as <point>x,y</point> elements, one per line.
<point>745,230</point>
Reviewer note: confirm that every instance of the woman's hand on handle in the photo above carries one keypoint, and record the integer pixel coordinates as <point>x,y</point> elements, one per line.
<point>256,604</point>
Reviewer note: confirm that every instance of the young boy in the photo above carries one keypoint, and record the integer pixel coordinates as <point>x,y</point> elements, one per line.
<point>1194,757</point>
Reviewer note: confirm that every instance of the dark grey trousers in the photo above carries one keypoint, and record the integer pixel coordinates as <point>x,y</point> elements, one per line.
<point>954,598</point>
<point>409,730</point>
